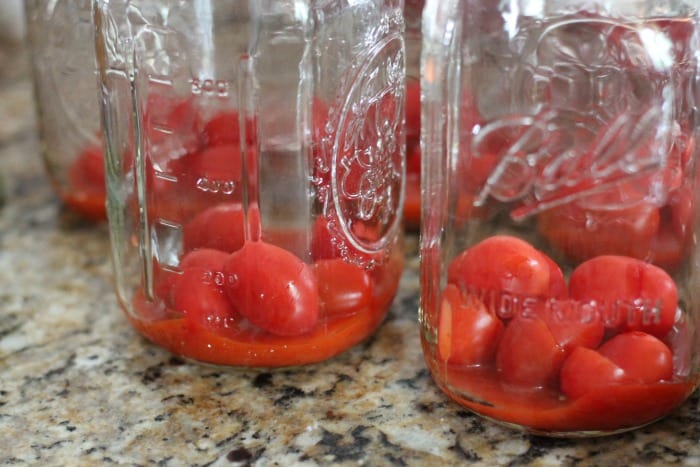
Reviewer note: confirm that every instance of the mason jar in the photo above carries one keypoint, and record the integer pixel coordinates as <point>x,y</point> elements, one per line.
<point>413,11</point>
<point>255,172</point>
<point>559,252</point>
<point>60,36</point>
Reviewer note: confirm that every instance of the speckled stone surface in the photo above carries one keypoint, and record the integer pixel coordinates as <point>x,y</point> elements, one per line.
<point>79,387</point>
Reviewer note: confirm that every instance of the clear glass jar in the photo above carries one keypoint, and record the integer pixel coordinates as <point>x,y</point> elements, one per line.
<point>413,11</point>
<point>559,255</point>
<point>255,172</point>
<point>60,35</point>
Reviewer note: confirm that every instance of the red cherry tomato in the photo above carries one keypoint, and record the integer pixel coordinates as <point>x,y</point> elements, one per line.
<point>467,333</point>
<point>413,110</point>
<point>573,324</point>
<point>413,158</point>
<point>273,288</point>
<point>221,227</point>
<point>669,248</point>
<point>412,202</point>
<point>528,356</point>
<point>343,288</point>
<point>208,258</point>
<point>557,282</point>
<point>198,296</point>
<point>631,295</point>
<point>327,238</point>
<point>587,371</point>
<point>223,128</point>
<point>504,264</point>
<point>204,258</point>
<point>172,126</point>
<point>86,193</point>
<point>643,357</point>
<point>584,233</point>
<point>217,169</point>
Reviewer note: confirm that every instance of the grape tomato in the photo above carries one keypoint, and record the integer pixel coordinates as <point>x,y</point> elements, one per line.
<point>505,264</point>
<point>273,288</point>
<point>631,294</point>
<point>467,333</point>
<point>643,357</point>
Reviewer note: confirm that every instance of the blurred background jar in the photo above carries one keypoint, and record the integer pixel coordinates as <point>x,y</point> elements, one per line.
<point>61,38</point>
<point>255,172</point>
<point>559,254</point>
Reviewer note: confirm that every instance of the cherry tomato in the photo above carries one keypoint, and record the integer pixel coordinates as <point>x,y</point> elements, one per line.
<point>223,128</point>
<point>413,110</point>
<point>221,227</point>
<point>328,237</point>
<point>172,126</point>
<point>413,158</point>
<point>584,233</point>
<point>528,356</point>
<point>412,202</point>
<point>467,333</point>
<point>573,324</point>
<point>343,288</point>
<point>198,296</point>
<point>504,264</point>
<point>557,282</point>
<point>86,177</point>
<point>631,295</point>
<point>669,248</point>
<point>217,169</point>
<point>386,278</point>
<point>587,371</point>
<point>643,357</point>
<point>273,288</point>
<point>209,258</point>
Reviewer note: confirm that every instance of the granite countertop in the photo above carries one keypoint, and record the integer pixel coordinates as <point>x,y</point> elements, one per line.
<point>79,387</point>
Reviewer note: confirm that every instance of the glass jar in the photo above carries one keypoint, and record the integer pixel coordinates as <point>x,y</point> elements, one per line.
<point>60,35</point>
<point>255,161</point>
<point>559,255</point>
<point>413,10</point>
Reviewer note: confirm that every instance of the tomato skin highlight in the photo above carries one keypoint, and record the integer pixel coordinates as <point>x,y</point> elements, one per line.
<point>609,280</point>
<point>586,370</point>
<point>467,333</point>
<point>643,357</point>
<point>273,288</point>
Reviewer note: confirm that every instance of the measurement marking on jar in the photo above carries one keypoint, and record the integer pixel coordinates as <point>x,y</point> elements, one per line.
<point>164,176</point>
<point>161,80</point>
<point>225,187</point>
<point>210,87</point>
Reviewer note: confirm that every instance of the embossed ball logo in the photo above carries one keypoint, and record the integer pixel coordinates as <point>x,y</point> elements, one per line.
<point>588,118</point>
<point>364,152</point>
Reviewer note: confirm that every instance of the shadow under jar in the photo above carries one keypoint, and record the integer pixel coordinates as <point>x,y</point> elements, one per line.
<point>255,163</point>
<point>559,252</point>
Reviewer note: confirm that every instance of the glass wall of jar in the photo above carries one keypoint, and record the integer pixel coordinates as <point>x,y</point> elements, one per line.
<point>413,10</point>
<point>255,172</point>
<point>60,35</point>
<point>559,238</point>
